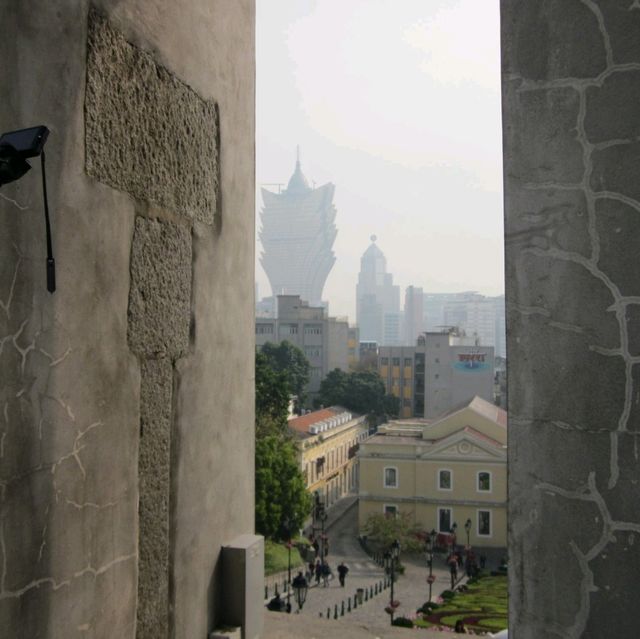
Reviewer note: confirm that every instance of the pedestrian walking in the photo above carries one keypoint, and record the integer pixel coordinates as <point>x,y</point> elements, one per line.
<point>453,567</point>
<point>342,573</point>
<point>325,571</point>
<point>318,571</point>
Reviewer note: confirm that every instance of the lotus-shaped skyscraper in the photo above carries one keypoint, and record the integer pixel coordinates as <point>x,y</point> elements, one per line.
<point>297,236</point>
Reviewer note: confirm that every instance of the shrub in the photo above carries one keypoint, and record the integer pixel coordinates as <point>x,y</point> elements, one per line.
<point>428,607</point>
<point>448,594</point>
<point>403,622</point>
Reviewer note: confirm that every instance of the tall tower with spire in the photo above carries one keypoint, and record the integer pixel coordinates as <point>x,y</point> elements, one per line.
<point>377,299</point>
<point>297,237</point>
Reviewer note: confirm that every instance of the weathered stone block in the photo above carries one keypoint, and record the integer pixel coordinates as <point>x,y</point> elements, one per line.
<point>616,169</point>
<point>550,39</point>
<point>618,228</point>
<point>160,294</point>
<point>540,137</point>
<point>613,111</point>
<point>154,474</point>
<point>615,596</point>
<point>549,219</point>
<point>148,133</point>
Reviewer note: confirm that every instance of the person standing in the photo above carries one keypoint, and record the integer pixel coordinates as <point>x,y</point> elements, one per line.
<point>342,573</point>
<point>326,571</point>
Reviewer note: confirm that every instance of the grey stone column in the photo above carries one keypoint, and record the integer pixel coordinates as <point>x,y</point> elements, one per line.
<point>571,109</point>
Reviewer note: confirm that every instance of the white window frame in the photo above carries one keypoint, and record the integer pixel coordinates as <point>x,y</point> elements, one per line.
<point>440,509</point>
<point>484,510</point>
<point>438,479</point>
<point>384,477</point>
<point>480,490</point>
<point>395,508</point>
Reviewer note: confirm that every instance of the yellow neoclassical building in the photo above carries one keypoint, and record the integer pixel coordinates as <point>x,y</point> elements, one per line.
<point>328,440</point>
<point>444,471</point>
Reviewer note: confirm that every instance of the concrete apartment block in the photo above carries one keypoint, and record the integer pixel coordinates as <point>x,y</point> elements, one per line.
<point>571,81</point>
<point>126,398</point>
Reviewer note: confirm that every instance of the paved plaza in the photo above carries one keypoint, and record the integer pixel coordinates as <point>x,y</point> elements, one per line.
<point>411,589</point>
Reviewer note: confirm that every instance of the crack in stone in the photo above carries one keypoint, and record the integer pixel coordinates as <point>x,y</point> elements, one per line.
<point>527,84</point>
<point>612,195</point>
<point>7,305</point>
<point>75,451</point>
<point>43,543</point>
<point>587,151</point>
<point>19,206</point>
<point>629,360</point>
<point>589,493</point>
<point>54,361</point>
<point>606,40</point>
<point>56,585</point>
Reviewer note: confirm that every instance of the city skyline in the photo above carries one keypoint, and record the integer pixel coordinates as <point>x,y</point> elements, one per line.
<point>391,127</point>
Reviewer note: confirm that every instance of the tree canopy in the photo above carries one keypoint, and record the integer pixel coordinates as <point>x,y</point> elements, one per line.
<point>289,360</point>
<point>281,493</point>
<point>383,530</point>
<point>272,396</point>
<point>359,391</point>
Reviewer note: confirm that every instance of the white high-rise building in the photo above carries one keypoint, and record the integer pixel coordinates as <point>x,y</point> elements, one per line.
<point>377,299</point>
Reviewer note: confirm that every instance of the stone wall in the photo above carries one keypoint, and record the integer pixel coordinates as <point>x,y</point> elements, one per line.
<point>571,81</point>
<point>126,398</point>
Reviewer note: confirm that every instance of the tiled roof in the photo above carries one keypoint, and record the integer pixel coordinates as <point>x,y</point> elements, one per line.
<point>301,424</point>
<point>479,435</point>
<point>482,407</point>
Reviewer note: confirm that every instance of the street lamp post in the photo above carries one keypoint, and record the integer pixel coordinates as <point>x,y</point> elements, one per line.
<point>430,542</point>
<point>467,527</point>
<point>393,554</point>
<point>287,523</point>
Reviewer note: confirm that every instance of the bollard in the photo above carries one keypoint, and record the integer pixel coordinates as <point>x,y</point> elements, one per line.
<point>328,613</point>
<point>266,592</point>
<point>375,590</point>
<point>276,590</point>
<point>371,592</point>
<point>342,609</point>
<point>366,594</point>
<point>335,611</point>
<point>349,604</point>
<point>355,601</point>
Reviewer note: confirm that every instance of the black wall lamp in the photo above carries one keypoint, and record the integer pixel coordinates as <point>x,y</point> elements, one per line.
<point>15,148</point>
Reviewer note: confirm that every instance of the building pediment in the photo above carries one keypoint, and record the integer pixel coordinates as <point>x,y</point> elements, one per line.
<point>466,444</point>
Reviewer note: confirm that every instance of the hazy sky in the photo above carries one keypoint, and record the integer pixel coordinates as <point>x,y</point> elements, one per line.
<point>397,102</point>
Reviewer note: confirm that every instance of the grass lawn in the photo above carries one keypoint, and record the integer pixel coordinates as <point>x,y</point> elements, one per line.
<point>483,607</point>
<point>276,557</point>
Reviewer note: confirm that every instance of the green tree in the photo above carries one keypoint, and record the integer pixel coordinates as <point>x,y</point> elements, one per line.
<point>281,494</point>
<point>360,391</point>
<point>382,530</point>
<point>272,397</point>
<point>333,389</point>
<point>365,392</point>
<point>288,359</point>
<point>391,405</point>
